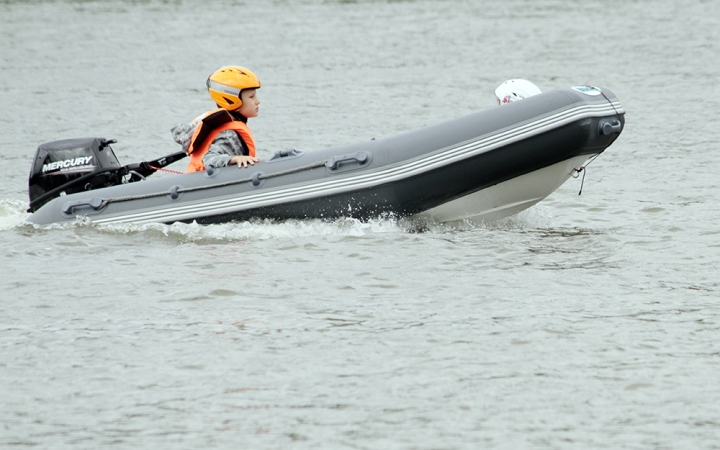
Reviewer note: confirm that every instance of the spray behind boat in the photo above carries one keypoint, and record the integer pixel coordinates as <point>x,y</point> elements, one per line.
<point>74,165</point>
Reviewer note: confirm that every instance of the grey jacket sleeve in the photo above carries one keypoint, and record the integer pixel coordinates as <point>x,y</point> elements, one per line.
<point>226,145</point>
<point>183,133</point>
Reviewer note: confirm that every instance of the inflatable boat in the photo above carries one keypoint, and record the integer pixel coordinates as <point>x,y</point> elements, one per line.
<point>484,166</point>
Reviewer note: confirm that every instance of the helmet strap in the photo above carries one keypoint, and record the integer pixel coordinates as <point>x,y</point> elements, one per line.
<point>237,116</point>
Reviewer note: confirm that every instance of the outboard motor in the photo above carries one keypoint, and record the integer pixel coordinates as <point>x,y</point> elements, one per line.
<point>72,165</point>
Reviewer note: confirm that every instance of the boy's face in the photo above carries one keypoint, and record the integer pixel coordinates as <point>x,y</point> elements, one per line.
<point>250,103</point>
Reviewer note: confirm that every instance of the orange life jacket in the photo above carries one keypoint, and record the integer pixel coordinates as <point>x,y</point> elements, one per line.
<point>211,124</point>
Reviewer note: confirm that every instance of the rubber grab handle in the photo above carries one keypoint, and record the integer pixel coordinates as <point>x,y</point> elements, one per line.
<point>287,152</point>
<point>607,128</point>
<point>336,161</point>
<point>95,203</point>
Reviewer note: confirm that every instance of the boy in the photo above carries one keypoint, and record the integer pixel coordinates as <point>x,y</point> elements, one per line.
<point>221,137</point>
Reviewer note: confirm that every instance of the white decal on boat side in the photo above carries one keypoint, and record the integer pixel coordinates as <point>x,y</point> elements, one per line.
<point>74,163</point>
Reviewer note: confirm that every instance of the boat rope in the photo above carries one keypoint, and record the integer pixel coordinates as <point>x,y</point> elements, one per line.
<point>175,191</point>
<point>576,172</point>
<point>611,103</point>
<point>166,170</point>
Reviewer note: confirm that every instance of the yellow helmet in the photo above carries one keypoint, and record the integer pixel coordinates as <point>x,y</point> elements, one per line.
<point>226,83</point>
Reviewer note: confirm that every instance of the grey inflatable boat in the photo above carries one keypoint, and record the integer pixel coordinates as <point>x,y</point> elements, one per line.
<point>483,166</point>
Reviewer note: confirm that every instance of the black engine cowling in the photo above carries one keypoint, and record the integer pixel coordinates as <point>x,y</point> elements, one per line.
<point>69,166</point>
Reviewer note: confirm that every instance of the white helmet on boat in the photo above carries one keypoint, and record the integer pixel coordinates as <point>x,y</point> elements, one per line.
<point>513,90</point>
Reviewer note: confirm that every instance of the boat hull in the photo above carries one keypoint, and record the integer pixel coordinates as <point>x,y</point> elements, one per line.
<point>509,197</point>
<point>485,165</point>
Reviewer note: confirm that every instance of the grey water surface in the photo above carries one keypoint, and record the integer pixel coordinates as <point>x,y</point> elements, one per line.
<point>588,321</point>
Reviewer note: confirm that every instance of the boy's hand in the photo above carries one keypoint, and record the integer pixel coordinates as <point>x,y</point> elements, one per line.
<point>243,161</point>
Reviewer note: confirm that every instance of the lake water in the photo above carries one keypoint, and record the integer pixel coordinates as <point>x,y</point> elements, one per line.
<point>587,321</point>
